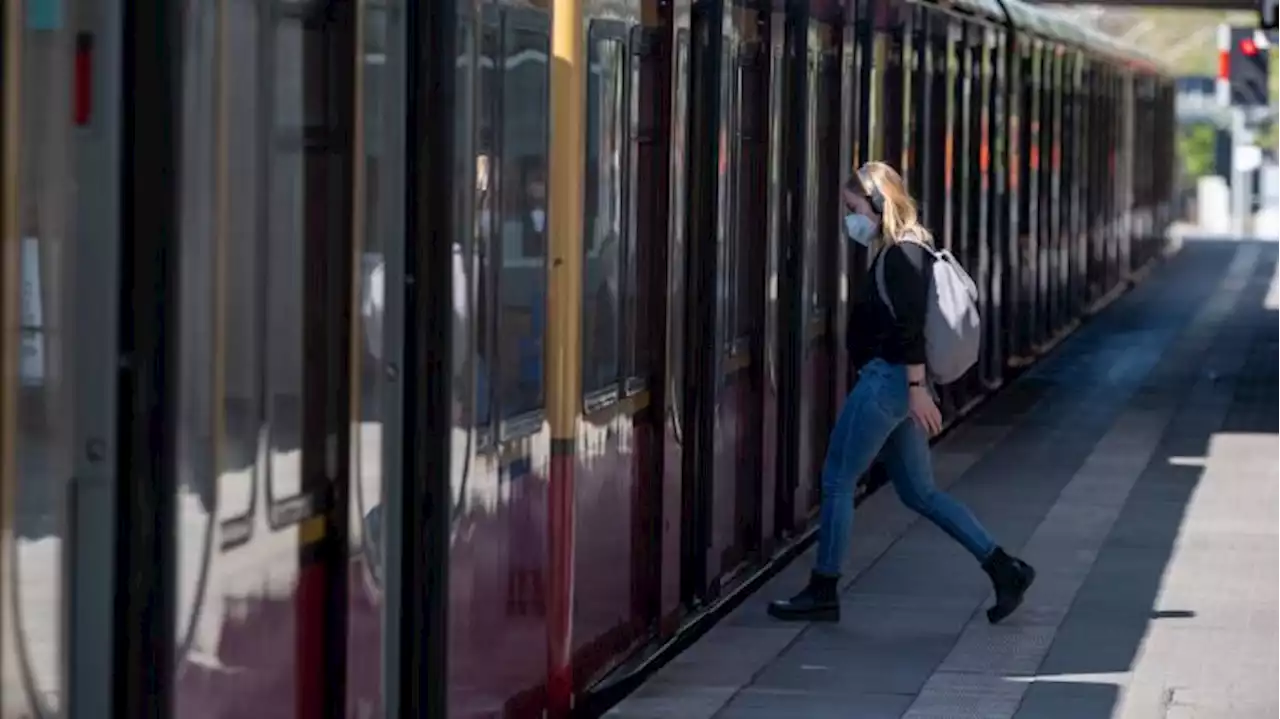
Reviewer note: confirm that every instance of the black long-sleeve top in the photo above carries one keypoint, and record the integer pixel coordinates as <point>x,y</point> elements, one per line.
<point>896,337</point>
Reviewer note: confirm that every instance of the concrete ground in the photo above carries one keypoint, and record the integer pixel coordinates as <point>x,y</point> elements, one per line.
<point>1136,468</point>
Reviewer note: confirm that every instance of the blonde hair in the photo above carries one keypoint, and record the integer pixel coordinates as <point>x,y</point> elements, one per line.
<point>899,216</point>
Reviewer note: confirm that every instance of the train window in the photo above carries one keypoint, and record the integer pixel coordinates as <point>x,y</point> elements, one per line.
<point>675,279</point>
<point>239,283</point>
<point>605,230</point>
<point>297,139</point>
<point>894,95</point>
<point>522,249</point>
<point>751,162</point>
<point>486,220</point>
<point>812,290</point>
<point>646,209</point>
<point>862,62</point>
<point>639,132</point>
<point>729,236</point>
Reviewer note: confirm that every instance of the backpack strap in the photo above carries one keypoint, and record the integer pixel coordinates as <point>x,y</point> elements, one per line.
<point>884,293</point>
<point>879,268</point>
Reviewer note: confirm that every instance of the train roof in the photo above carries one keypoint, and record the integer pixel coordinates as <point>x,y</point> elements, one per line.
<point>1054,25</point>
<point>1051,24</point>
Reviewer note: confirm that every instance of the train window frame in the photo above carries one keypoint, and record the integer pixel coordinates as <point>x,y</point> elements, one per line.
<point>623,382</point>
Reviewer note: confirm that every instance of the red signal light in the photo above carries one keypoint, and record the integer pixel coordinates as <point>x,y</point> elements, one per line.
<point>1249,47</point>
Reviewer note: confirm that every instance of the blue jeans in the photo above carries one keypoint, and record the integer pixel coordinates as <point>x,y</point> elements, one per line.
<point>875,421</point>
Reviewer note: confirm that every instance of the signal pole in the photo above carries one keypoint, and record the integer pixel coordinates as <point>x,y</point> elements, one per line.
<point>1240,184</point>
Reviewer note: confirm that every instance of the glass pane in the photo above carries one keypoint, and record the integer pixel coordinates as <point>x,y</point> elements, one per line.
<point>603,203</point>
<point>284,242</point>
<point>374,422</point>
<point>46,204</point>
<point>486,212</point>
<point>522,282</point>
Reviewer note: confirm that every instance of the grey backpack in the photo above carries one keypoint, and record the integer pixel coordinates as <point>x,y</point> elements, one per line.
<point>952,327</point>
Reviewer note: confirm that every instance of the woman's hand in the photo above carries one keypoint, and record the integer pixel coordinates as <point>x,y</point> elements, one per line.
<point>924,410</point>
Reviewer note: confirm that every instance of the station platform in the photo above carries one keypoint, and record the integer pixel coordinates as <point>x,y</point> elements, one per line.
<point>1136,468</point>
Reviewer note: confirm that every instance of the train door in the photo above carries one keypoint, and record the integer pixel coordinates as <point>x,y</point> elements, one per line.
<point>59,294</point>
<point>734,464</point>
<point>649,214</point>
<point>745,271</point>
<point>617,483</point>
<point>265,305</point>
<point>701,342</point>
<point>508,528</point>
<point>798,43</point>
<point>818,173</point>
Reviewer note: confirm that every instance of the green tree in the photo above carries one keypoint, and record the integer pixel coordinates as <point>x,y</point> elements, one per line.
<point>1266,136</point>
<point>1195,147</point>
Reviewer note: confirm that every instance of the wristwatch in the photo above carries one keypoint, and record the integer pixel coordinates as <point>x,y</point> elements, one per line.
<point>915,383</point>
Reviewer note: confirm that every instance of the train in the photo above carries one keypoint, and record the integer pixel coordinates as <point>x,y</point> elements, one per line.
<point>460,359</point>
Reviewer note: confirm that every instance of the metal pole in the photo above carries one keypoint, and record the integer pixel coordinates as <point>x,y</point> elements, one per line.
<point>1239,177</point>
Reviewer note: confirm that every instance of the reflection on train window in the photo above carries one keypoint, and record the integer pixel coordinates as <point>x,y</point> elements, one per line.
<point>679,175</point>
<point>730,175</point>
<point>485,214</point>
<point>522,251</point>
<point>604,231</point>
<point>812,211</point>
<point>43,355</point>
<point>642,133</point>
<point>749,143</point>
<point>238,279</point>
<point>285,255</point>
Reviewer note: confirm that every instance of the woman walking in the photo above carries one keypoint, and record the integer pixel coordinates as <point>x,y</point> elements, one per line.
<point>891,411</point>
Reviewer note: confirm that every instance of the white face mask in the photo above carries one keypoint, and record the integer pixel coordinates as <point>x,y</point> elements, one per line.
<point>859,228</point>
<point>539,218</point>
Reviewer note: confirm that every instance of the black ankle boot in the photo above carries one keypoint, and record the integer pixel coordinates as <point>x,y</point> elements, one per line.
<point>1011,578</point>
<point>818,602</point>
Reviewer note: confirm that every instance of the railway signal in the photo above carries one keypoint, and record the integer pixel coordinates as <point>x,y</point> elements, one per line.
<point>1244,68</point>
